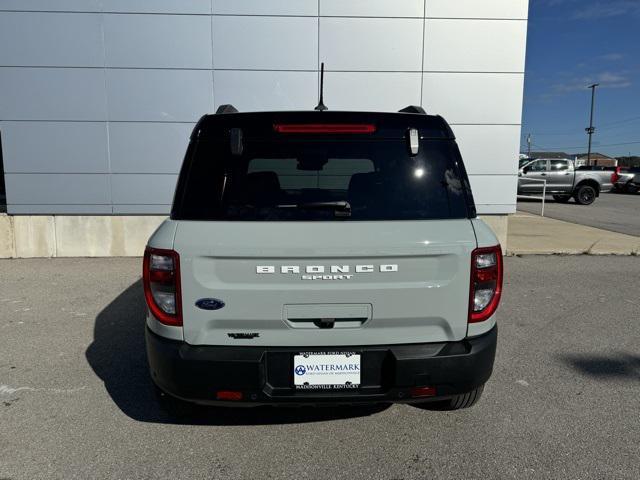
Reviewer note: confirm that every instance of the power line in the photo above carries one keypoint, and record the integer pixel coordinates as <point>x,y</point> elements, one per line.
<point>632,119</point>
<point>604,126</point>
<point>582,146</point>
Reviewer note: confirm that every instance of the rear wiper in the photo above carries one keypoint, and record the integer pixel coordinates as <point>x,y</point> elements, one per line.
<point>342,207</point>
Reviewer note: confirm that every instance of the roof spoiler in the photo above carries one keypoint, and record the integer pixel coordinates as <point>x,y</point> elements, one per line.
<point>227,108</point>
<point>413,109</point>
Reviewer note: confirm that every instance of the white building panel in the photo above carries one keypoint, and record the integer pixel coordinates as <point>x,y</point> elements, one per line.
<point>58,188</point>
<point>266,7</point>
<point>371,44</point>
<point>145,189</point>
<point>52,94</point>
<point>142,147</point>
<point>474,45</point>
<point>372,8</point>
<point>249,91</point>
<point>511,9</point>
<point>485,98</point>
<point>157,41</point>
<point>489,149</point>
<point>193,7</point>
<point>371,91</point>
<point>494,193</point>
<point>159,95</point>
<point>50,39</point>
<point>62,147</point>
<point>275,43</point>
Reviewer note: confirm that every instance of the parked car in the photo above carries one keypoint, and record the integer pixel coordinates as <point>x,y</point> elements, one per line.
<point>626,179</point>
<point>563,180</point>
<point>322,257</point>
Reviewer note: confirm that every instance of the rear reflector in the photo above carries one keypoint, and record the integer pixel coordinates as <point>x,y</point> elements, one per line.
<point>229,395</point>
<point>324,128</point>
<point>423,392</point>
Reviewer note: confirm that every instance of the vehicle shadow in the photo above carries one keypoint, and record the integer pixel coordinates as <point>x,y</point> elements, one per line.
<point>622,366</point>
<point>117,355</point>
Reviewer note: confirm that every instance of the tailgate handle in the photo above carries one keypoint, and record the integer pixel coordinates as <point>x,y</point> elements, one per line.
<point>327,316</point>
<point>327,322</point>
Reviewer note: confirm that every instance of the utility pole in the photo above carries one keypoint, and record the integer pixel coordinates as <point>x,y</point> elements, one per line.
<point>591,128</point>
<point>529,146</point>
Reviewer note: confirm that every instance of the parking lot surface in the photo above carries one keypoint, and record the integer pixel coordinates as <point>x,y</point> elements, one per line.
<point>76,401</point>
<point>616,212</point>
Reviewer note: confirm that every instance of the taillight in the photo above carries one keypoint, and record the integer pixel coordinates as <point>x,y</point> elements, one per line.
<point>324,128</point>
<point>486,283</point>
<point>615,176</point>
<point>161,281</point>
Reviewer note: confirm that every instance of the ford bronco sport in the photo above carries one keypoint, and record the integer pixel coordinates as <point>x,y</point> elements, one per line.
<point>322,257</point>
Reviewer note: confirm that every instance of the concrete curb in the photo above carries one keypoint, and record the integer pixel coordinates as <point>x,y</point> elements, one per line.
<point>42,236</point>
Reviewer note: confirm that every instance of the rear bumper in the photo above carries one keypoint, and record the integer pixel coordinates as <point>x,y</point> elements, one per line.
<point>264,374</point>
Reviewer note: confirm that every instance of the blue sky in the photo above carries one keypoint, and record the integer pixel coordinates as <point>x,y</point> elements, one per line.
<point>571,44</point>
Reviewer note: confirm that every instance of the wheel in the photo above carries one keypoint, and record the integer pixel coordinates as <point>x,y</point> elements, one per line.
<point>632,189</point>
<point>585,195</point>
<point>562,198</point>
<point>465,400</point>
<point>457,402</point>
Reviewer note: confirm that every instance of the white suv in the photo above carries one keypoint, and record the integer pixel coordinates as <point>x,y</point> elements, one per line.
<point>316,257</point>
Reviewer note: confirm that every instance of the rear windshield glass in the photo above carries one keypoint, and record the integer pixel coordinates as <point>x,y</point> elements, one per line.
<point>322,180</point>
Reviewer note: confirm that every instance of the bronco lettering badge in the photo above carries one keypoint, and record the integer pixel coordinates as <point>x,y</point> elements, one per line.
<point>322,272</point>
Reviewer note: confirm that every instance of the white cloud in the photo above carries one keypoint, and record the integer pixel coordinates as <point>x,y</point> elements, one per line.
<point>611,57</point>
<point>605,79</point>
<point>612,8</point>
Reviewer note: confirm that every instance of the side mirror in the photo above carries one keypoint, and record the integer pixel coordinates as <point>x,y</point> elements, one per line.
<point>526,169</point>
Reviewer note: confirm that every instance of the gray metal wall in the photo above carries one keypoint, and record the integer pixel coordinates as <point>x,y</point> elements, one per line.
<point>97,97</point>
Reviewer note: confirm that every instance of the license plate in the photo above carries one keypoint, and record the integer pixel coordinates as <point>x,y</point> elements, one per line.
<point>319,371</point>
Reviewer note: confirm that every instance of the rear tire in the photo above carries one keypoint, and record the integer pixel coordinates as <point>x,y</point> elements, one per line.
<point>562,198</point>
<point>585,195</point>
<point>457,402</point>
<point>466,400</point>
<point>172,406</point>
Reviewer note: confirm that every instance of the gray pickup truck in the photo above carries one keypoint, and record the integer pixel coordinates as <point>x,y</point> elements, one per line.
<point>563,180</point>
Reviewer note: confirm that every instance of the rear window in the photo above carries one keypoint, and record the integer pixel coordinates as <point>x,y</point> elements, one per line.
<point>322,180</point>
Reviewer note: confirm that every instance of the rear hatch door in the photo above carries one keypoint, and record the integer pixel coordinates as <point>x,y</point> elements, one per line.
<point>325,283</point>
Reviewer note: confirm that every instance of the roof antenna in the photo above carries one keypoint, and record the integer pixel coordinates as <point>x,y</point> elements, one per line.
<point>321,106</point>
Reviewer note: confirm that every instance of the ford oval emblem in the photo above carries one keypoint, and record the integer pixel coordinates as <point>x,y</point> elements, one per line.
<point>210,304</point>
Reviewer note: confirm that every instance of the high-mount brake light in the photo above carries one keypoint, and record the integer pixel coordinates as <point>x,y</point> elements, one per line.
<point>324,128</point>
<point>486,283</point>
<point>161,282</point>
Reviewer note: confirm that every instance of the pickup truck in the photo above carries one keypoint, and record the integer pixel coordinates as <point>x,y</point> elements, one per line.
<point>320,257</point>
<point>626,179</point>
<point>563,180</point>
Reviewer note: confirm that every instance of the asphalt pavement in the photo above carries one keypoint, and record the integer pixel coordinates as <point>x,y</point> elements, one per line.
<point>76,401</point>
<point>616,212</point>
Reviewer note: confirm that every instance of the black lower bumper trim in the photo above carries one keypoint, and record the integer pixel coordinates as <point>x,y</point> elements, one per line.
<point>264,374</point>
